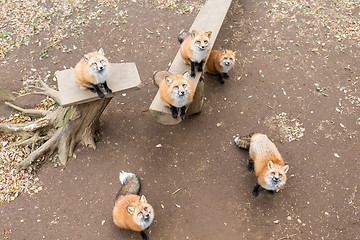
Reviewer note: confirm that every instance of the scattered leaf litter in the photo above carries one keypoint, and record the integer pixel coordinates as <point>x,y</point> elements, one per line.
<point>12,182</point>
<point>180,7</point>
<point>22,20</point>
<point>291,129</point>
<point>338,16</point>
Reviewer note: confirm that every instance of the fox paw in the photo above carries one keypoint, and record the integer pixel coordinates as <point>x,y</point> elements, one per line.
<point>182,116</point>
<point>255,193</point>
<point>92,89</point>
<point>221,81</point>
<point>192,74</point>
<point>250,167</point>
<point>226,75</point>
<point>143,235</point>
<point>271,192</point>
<point>174,115</point>
<point>109,91</point>
<point>100,94</point>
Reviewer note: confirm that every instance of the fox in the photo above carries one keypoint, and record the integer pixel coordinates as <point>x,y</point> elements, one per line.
<point>220,62</point>
<point>132,211</point>
<point>266,160</point>
<point>176,91</point>
<point>92,71</point>
<point>195,48</point>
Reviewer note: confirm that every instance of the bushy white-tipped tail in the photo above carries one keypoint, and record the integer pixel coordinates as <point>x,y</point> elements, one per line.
<point>124,175</point>
<point>243,142</point>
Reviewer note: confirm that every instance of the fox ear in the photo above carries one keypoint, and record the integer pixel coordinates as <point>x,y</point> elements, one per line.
<point>286,168</point>
<point>223,51</point>
<point>209,34</point>
<point>186,75</point>
<point>130,209</point>
<point>86,57</point>
<point>270,164</point>
<point>234,52</point>
<point>143,199</point>
<point>101,52</point>
<point>194,33</point>
<point>168,80</point>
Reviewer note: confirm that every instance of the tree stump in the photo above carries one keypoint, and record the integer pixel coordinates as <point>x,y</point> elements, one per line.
<point>73,122</point>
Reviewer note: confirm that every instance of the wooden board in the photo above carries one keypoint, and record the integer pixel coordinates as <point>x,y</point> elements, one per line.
<point>123,78</point>
<point>210,18</point>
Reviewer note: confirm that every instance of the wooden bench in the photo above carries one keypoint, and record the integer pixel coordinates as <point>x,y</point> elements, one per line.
<point>210,18</point>
<point>123,78</point>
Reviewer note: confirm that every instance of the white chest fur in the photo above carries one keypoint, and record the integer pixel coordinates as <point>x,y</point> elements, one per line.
<point>179,101</point>
<point>226,68</point>
<point>100,76</point>
<point>198,55</point>
<point>271,185</point>
<point>145,223</point>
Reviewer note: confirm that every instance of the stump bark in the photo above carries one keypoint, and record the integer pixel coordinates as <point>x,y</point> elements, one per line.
<point>62,128</point>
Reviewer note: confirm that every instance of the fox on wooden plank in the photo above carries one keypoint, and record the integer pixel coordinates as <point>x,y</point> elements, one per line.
<point>92,71</point>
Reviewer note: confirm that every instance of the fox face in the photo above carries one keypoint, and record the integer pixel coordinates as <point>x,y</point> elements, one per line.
<point>275,176</point>
<point>98,64</point>
<point>200,40</point>
<point>180,88</point>
<point>227,60</point>
<point>142,212</point>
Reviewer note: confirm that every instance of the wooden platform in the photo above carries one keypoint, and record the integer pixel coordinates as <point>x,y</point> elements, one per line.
<point>210,18</point>
<point>123,78</point>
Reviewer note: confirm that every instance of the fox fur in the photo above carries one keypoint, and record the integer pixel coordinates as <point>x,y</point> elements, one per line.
<point>220,62</point>
<point>195,48</point>
<point>132,211</point>
<point>176,91</point>
<point>92,71</point>
<point>266,160</point>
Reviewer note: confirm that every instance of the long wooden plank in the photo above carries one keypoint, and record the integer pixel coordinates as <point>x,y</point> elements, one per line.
<point>210,18</point>
<point>123,78</point>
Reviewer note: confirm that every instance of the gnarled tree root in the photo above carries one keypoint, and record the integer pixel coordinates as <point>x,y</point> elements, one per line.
<point>79,125</point>
<point>64,127</point>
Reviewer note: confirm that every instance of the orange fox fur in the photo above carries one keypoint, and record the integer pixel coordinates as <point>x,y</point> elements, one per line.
<point>220,62</point>
<point>132,211</point>
<point>195,48</point>
<point>92,71</point>
<point>266,160</point>
<point>176,91</point>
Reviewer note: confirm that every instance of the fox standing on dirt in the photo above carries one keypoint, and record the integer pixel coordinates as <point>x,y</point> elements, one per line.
<point>132,211</point>
<point>176,91</point>
<point>270,169</point>
<point>92,71</point>
<point>220,62</point>
<point>195,48</point>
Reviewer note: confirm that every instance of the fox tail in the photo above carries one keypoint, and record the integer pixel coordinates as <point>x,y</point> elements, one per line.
<point>243,142</point>
<point>130,184</point>
<point>182,35</point>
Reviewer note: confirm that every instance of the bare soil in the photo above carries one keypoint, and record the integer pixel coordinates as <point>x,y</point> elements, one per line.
<point>197,180</point>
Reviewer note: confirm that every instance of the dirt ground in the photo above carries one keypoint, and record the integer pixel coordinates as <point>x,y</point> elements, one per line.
<point>197,180</point>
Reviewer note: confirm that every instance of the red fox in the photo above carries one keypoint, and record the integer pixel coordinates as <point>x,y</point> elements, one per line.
<point>270,169</point>
<point>220,62</point>
<point>92,71</point>
<point>176,91</point>
<point>132,211</point>
<point>195,48</point>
